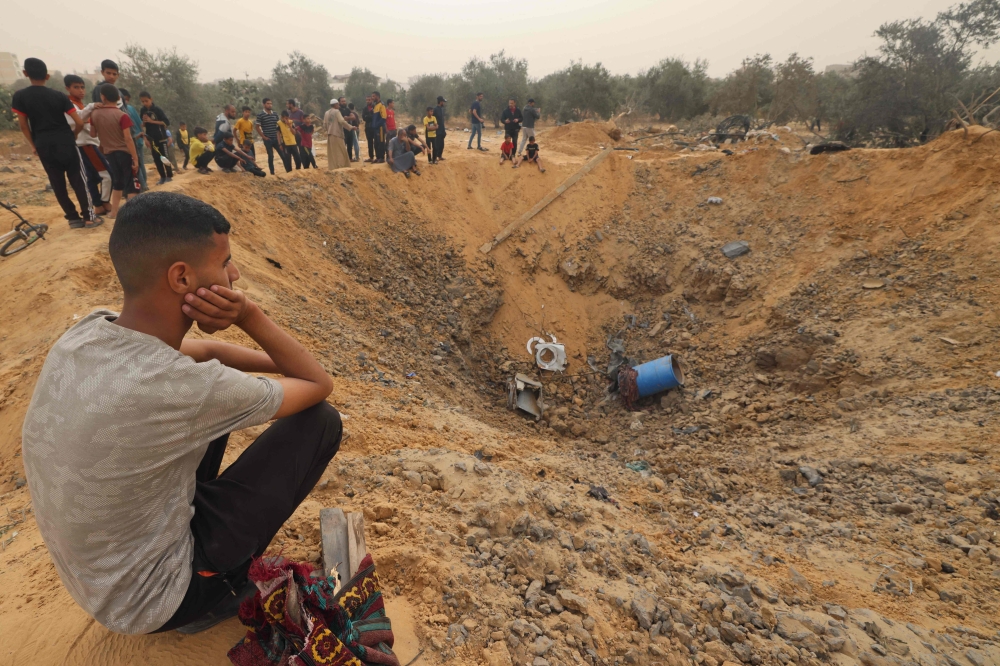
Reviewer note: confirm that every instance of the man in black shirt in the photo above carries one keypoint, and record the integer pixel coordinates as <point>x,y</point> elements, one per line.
<point>109,70</point>
<point>156,124</point>
<point>366,116</point>
<point>439,139</point>
<point>41,113</point>
<point>476,111</point>
<point>512,119</point>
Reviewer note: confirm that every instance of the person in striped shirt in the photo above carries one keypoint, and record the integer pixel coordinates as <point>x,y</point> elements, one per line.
<point>267,127</point>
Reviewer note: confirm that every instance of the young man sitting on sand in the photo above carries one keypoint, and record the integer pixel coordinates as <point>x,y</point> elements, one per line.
<point>507,150</point>
<point>530,155</point>
<point>126,431</point>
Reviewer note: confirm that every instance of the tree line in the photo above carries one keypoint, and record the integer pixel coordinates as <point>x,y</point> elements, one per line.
<point>921,77</point>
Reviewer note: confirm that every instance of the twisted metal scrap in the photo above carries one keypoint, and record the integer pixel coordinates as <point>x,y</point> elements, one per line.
<point>628,387</point>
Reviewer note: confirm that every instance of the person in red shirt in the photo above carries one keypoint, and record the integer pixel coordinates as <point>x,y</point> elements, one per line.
<point>112,126</point>
<point>390,118</point>
<point>507,149</point>
<point>306,130</point>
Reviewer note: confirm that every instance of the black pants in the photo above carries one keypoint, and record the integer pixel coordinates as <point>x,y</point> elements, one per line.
<point>307,158</point>
<point>438,145</point>
<point>287,155</point>
<point>272,145</point>
<point>186,149</point>
<point>380,144</point>
<point>203,160</point>
<point>92,156</point>
<point>294,155</point>
<point>160,150</point>
<point>370,135</point>
<point>229,162</point>
<point>62,161</point>
<point>237,513</point>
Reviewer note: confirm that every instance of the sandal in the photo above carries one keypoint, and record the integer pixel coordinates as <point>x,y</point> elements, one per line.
<point>77,224</point>
<point>96,222</point>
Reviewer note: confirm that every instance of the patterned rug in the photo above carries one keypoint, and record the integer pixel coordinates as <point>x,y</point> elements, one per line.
<point>299,617</point>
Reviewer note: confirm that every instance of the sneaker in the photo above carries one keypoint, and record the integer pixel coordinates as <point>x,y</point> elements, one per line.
<point>485,150</point>
<point>469,148</point>
<point>161,181</point>
<point>225,609</point>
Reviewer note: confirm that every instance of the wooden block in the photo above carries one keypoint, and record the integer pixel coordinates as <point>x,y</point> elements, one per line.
<point>356,541</point>
<point>546,200</point>
<point>336,552</point>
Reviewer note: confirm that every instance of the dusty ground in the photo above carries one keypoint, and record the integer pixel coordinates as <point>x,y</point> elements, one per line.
<point>823,490</point>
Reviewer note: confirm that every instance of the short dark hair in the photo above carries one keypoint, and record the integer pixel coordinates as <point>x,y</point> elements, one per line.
<point>291,100</point>
<point>375,92</point>
<point>109,64</point>
<point>430,108</point>
<point>388,101</point>
<point>156,229</point>
<point>145,94</point>
<point>479,93</point>
<point>183,122</point>
<point>265,100</point>
<point>531,100</point>
<point>284,113</point>
<point>200,130</point>
<point>227,135</point>
<point>246,108</point>
<point>35,69</point>
<point>124,93</point>
<point>351,106</point>
<point>70,79</point>
<point>411,128</point>
<point>512,100</point>
<point>109,92</point>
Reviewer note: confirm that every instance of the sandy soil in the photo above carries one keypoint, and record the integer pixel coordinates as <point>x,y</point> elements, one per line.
<point>824,490</point>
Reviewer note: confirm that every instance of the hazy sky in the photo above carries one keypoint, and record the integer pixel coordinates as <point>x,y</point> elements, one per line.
<point>402,38</point>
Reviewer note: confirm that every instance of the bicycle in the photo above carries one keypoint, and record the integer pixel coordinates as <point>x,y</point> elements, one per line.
<point>21,235</point>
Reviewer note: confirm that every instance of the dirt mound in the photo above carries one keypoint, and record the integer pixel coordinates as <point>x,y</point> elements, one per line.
<point>821,491</point>
<point>578,138</point>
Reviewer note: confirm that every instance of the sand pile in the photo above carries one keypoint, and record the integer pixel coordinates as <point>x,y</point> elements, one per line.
<point>584,138</point>
<point>822,491</point>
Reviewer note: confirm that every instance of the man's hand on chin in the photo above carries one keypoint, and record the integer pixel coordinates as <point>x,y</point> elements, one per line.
<point>217,308</point>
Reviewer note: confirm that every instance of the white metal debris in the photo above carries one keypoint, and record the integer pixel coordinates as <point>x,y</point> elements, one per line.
<point>548,355</point>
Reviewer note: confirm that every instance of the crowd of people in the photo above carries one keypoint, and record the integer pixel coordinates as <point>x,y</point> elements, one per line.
<point>76,141</point>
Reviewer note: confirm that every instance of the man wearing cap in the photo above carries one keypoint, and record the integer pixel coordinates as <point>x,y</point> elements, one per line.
<point>477,122</point>
<point>531,113</point>
<point>335,125</point>
<point>439,139</point>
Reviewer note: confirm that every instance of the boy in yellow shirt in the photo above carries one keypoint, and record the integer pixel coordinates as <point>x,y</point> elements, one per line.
<point>290,149</point>
<point>202,150</point>
<point>243,132</point>
<point>430,132</point>
<point>183,143</point>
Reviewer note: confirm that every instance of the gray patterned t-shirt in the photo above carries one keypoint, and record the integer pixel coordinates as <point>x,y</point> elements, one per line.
<point>117,426</point>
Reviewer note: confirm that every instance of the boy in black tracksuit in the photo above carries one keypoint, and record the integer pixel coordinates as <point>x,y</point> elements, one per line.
<point>156,124</point>
<point>41,113</point>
